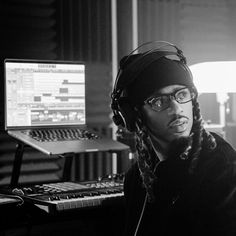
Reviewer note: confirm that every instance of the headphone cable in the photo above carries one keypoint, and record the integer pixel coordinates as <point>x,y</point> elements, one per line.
<point>144,205</point>
<point>141,215</point>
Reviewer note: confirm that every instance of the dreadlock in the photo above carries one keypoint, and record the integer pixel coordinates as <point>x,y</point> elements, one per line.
<point>201,137</point>
<point>147,161</point>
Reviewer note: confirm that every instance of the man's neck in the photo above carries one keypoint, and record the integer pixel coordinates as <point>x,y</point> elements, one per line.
<point>160,147</point>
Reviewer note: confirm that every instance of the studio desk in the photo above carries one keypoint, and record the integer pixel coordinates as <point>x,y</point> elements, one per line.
<point>62,208</point>
<point>65,208</point>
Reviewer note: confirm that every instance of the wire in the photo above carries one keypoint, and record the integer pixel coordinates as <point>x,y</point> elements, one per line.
<point>141,215</point>
<point>144,205</point>
<point>13,197</point>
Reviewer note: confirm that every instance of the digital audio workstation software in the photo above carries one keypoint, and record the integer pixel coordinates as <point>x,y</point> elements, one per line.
<point>44,94</point>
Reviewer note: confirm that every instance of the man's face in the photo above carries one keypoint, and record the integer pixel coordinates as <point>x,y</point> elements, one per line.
<point>173,122</point>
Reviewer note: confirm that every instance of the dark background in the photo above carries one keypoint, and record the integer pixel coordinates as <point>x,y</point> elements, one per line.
<point>81,30</point>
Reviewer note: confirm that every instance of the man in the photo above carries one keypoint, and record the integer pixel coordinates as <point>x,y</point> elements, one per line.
<point>184,181</point>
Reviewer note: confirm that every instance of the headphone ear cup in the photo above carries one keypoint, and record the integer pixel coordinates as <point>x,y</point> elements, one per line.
<point>128,114</point>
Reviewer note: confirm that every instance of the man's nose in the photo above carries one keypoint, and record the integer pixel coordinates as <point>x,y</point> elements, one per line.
<point>174,107</point>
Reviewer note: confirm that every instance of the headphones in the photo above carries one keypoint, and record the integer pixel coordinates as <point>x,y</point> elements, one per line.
<point>130,67</point>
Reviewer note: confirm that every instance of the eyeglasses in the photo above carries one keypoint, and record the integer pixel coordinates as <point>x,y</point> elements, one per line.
<point>162,102</point>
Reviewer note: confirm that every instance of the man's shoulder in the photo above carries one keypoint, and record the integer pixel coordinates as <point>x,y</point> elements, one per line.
<point>132,176</point>
<point>133,187</point>
<point>222,145</point>
<point>218,137</point>
<point>222,157</point>
<point>133,170</point>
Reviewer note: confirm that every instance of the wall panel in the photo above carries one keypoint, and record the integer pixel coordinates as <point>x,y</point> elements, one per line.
<point>77,30</point>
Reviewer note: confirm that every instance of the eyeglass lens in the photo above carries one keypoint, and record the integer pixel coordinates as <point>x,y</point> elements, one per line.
<point>162,102</point>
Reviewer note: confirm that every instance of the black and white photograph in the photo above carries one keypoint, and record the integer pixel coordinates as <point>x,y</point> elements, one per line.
<point>118,117</point>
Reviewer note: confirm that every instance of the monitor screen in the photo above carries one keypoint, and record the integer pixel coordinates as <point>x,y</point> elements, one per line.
<point>44,93</point>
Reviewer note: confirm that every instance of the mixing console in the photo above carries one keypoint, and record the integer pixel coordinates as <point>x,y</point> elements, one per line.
<point>65,196</point>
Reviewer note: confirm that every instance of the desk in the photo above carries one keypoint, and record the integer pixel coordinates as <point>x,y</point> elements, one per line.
<point>67,165</point>
<point>31,221</point>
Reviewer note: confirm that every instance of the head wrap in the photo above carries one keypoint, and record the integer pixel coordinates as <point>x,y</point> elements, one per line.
<point>153,76</point>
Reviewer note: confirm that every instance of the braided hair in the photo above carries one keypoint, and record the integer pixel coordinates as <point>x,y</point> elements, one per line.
<point>147,161</point>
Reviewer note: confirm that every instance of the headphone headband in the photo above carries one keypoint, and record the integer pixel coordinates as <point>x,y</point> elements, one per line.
<point>132,71</point>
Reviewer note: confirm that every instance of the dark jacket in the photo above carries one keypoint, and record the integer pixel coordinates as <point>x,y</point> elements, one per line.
<point>203,203</point>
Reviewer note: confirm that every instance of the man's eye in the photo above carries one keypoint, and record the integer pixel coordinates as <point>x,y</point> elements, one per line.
<point>182,94</point>
<point>160,101</point>
<point>157,102</point>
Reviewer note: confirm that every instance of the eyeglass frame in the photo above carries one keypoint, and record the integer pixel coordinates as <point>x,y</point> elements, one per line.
<point>171,96</point>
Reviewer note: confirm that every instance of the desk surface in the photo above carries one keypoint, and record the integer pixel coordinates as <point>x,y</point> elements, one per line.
<point>26,219</point>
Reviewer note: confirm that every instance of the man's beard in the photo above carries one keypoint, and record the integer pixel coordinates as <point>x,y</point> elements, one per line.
<point>179,148</point>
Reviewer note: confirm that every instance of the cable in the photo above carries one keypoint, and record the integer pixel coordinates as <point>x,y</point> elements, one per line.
<point>141,215</point>
<point>14,197</point>
<point>144,204</point>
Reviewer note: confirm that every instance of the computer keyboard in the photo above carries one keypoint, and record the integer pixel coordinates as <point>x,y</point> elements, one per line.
<point>47,135</point>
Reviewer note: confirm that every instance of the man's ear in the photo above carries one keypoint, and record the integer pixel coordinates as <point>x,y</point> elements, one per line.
<point>140,114</point>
